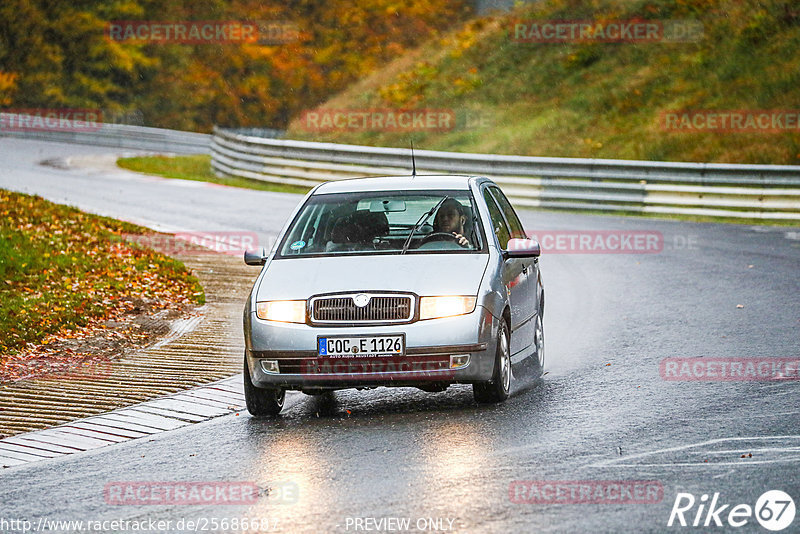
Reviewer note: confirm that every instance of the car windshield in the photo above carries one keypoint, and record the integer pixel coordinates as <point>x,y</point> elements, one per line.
<point>382,222</point>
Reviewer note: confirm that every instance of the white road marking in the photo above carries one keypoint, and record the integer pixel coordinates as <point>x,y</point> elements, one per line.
<point>114,431</point>
<point>123,425</point>
<point>133,417</point>
<point>188,407</point>
<point>93,433</point>
<point>35,441</point>
<point>11,459</point>
<point>27,451</point>
<point>191,418</point>
<point>792,451</point>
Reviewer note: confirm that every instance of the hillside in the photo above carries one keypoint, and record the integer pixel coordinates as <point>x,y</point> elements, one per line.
<point>594,99</point>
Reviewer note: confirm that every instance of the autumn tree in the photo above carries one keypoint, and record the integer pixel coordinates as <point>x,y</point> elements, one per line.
<point>56,54</point>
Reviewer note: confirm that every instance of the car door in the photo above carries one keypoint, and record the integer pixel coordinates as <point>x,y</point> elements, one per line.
<point>529,294</point>
<point>515,279</point>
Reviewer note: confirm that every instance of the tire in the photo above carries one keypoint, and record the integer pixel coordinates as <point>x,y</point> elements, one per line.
<point>497,389</point>
<point>539,341</point>
<point>261,401</point>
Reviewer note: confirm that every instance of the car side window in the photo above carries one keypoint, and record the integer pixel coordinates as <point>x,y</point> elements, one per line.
<point>517,230</point>
<point>498,222</point>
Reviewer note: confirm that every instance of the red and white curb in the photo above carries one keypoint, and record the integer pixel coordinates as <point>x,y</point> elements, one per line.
<point>173,411</point>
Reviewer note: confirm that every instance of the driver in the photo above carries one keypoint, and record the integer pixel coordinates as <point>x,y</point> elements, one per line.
<point>450,219</point>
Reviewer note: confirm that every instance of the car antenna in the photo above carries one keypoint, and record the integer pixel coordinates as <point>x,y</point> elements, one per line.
<point>413,162</point>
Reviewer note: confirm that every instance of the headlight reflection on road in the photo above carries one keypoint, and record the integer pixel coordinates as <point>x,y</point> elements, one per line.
<point>452,454</point>
<point>295,473</point>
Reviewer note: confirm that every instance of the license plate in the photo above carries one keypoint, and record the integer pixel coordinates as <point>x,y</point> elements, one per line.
<point>361,346</point>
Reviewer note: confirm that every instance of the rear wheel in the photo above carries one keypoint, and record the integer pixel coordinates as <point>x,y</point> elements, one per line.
<point>261,401</point>
<point>497,389</point>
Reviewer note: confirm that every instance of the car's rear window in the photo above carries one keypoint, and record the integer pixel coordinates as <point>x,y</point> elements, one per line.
<point>381,223</point>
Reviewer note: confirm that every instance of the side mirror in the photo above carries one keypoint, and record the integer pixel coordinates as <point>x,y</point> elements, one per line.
<point>522,248</point>
<point>255,257</point>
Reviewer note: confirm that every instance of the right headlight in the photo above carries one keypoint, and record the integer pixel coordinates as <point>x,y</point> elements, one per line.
<point>445,306</point>
<point>284,311</point>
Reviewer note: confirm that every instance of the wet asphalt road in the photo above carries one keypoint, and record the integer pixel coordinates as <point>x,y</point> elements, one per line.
<point>602,412</point>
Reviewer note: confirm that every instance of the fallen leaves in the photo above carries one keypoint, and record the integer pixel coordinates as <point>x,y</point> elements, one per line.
<point>66,274</point>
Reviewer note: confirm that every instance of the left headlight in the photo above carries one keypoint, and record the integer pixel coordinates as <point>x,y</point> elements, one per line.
<point>284,311</point>
<point>448,306</point>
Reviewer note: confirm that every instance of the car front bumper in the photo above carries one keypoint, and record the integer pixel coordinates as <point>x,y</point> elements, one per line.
<point>430,348</point>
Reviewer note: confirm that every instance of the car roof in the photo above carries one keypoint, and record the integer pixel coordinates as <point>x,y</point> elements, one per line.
<point>394,183</point>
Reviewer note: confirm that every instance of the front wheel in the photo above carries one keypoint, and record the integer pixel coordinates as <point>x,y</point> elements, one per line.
<point>497,389</point>
<point>261,401</point>
<point>539,341</point>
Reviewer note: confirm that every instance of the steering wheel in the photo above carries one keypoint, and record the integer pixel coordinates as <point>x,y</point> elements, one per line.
<point>437,236</point>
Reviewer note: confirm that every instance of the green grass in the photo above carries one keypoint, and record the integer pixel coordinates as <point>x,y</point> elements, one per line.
<point>600,100</point>
<point>198,167</point>
<point>62,270</point>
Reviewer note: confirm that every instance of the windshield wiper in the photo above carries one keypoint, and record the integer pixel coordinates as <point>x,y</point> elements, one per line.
<point>419,223</point>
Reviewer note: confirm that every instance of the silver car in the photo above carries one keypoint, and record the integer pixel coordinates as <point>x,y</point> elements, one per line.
<point>422,281</point>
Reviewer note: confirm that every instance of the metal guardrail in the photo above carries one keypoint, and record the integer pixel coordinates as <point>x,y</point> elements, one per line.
<point>710,189</point>
<point>112,135</point>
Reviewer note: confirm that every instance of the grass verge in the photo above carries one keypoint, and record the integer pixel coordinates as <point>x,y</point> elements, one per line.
<point>198,167</point>
<point>589,99</point>
<point>64,273</point>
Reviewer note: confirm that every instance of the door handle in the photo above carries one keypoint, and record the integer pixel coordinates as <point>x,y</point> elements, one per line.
<point>524,269</point>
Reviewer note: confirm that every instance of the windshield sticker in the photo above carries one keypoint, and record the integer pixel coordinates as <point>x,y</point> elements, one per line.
<point>297,245</point>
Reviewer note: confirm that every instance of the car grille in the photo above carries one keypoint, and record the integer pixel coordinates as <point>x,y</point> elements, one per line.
<point>379,309</point>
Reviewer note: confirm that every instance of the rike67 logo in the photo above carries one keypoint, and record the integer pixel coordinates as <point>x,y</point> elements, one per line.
<point>774,510</point>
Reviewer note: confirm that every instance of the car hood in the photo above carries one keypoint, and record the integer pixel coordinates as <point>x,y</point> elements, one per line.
<point>423,274</point>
